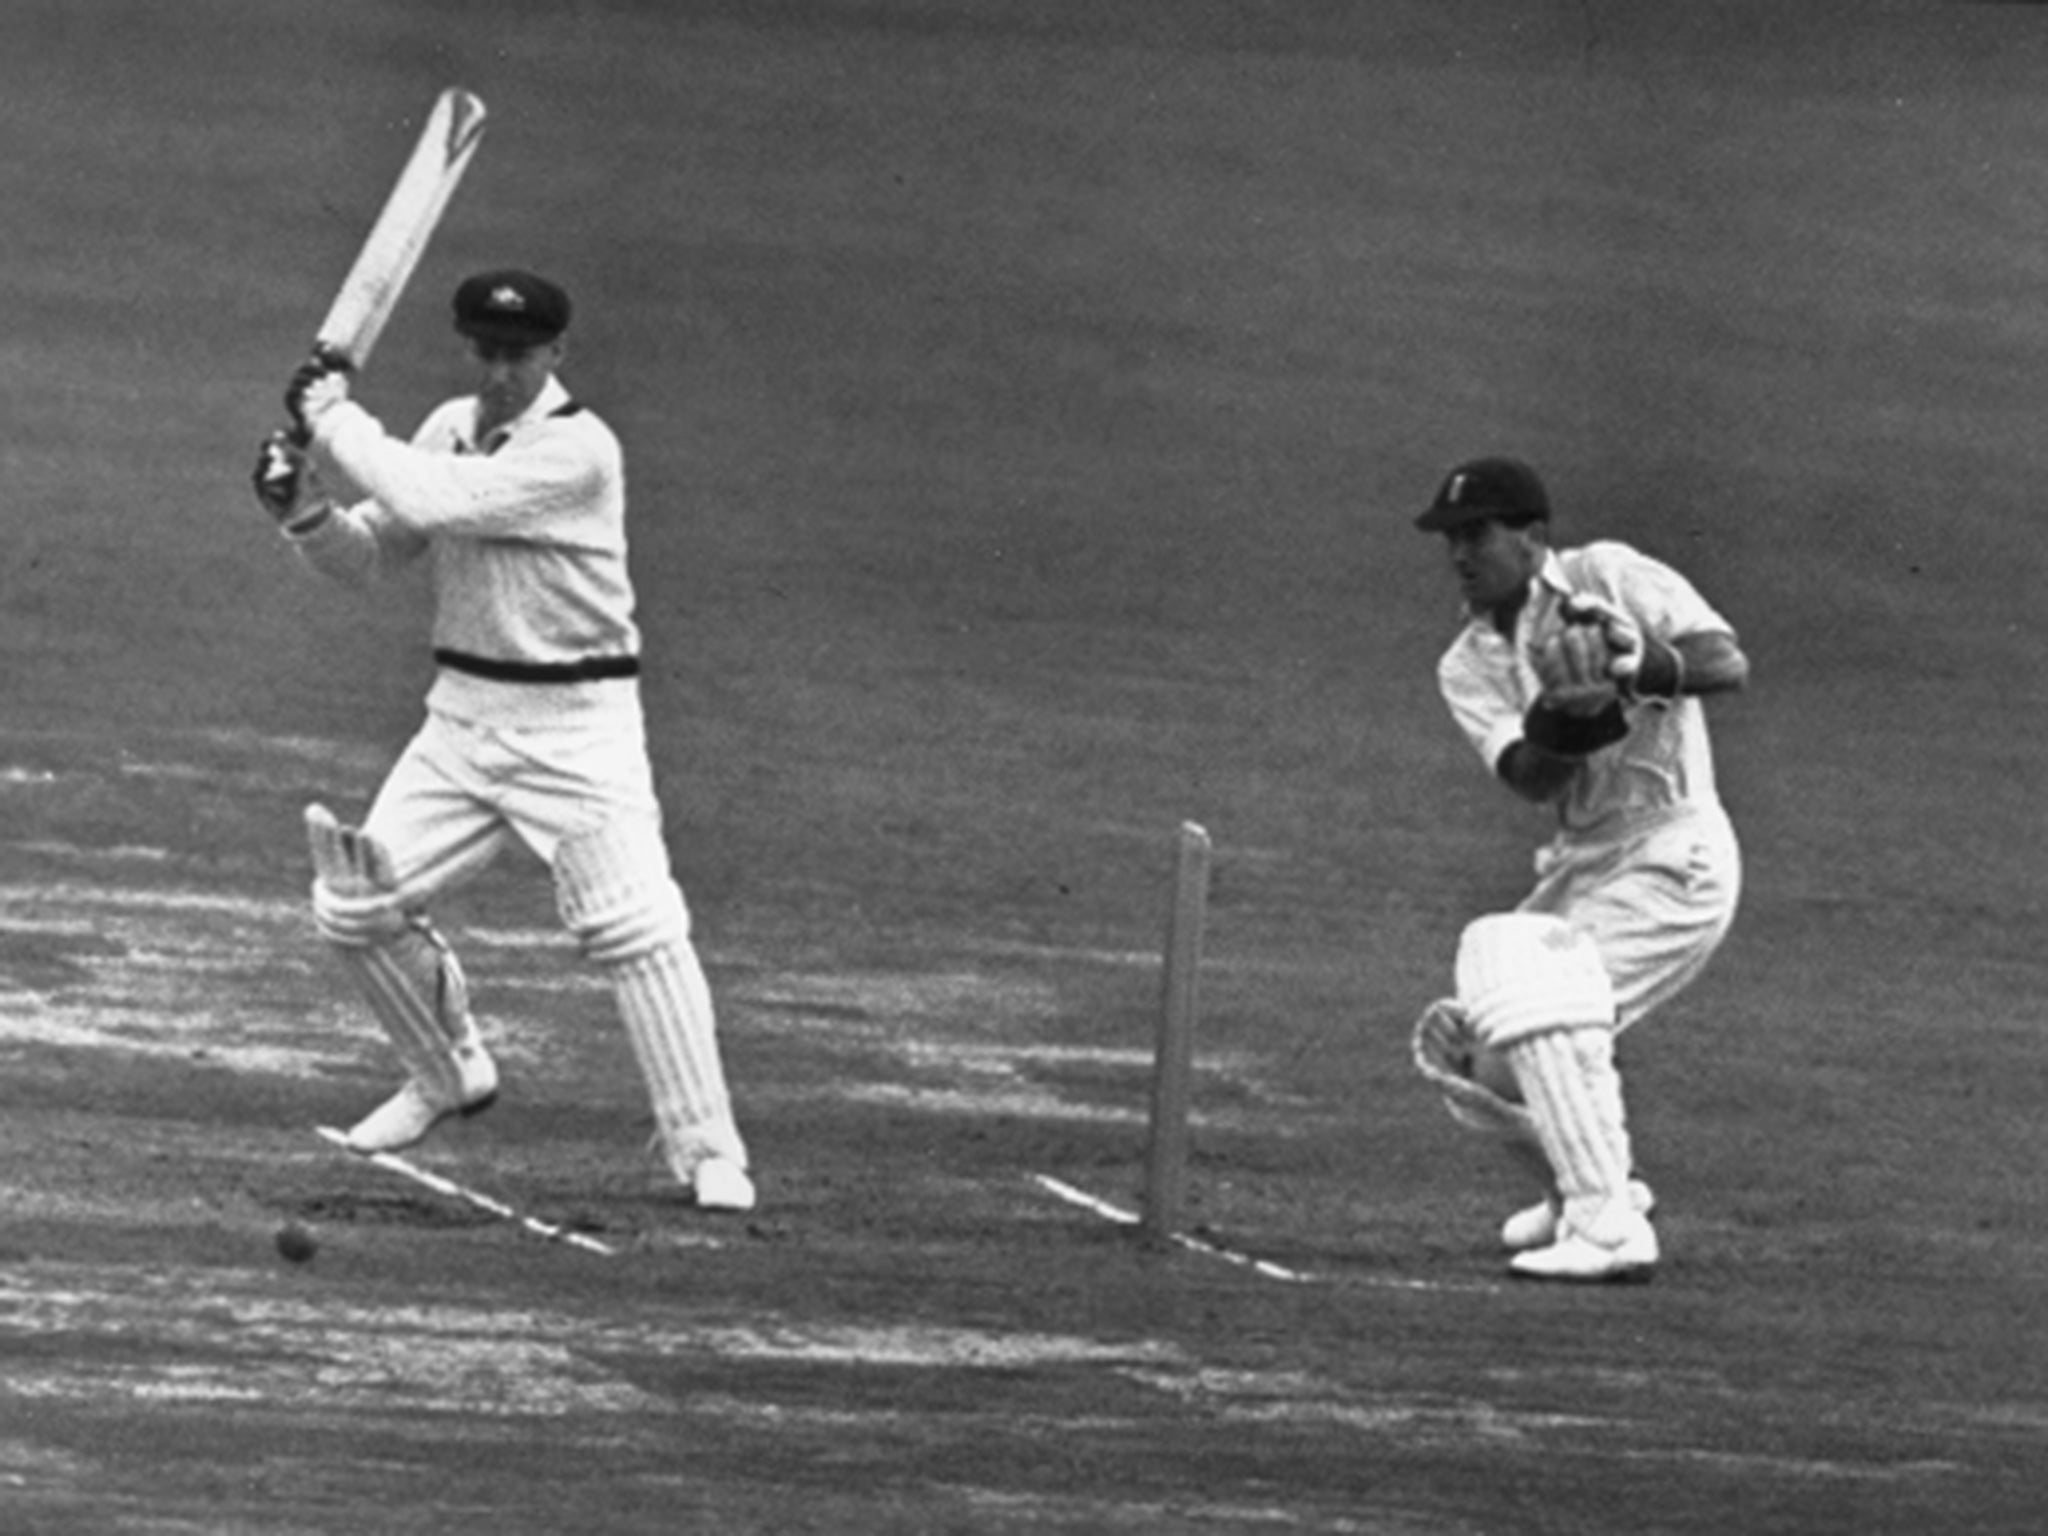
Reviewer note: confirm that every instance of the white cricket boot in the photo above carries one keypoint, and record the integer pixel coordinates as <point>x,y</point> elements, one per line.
<point>1536,1226</point>
<point>1574,1098</point>
<point>722,1185</point>
<point>404,1119</point>
<point>1616,1244</point>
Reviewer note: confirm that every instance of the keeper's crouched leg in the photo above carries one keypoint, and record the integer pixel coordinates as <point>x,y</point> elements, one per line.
<point>1479,1090</point>
<point>617,896</point>
<point>1536,993</point>
<point>409,978</point>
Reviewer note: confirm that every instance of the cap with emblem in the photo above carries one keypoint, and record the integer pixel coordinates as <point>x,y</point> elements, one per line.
<point>1483,489</point>
<point>511,306</point>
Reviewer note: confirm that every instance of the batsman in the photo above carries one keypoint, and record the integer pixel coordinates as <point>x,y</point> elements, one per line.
<point>1578,678</point>
<point>514,495</point>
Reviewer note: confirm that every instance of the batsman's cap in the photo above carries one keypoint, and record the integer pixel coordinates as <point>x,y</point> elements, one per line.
<point>1480,489</point>
<point>511,306</point>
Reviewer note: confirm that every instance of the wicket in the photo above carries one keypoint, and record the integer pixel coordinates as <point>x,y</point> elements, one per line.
<point>1167,1154</point>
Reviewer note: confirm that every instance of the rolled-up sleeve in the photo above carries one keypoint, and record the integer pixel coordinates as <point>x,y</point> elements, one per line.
<point>1484,700</point>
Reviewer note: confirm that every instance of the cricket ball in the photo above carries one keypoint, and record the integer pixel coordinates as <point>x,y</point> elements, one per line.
<point>296,1243</point>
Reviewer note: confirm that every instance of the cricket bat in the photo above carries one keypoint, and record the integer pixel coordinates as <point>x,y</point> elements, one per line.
<point>385,264</point>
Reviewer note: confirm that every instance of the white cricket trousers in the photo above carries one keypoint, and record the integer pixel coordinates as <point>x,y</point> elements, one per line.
<point>461,792</point>
<point>1657,901</point>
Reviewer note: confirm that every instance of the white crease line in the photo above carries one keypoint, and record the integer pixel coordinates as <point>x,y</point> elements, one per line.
<point>1272,1271</point>
<point>456,1191</point>
<point>1103,1208</point>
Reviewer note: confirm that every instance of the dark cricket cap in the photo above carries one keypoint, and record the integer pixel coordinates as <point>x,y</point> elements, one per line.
<point>1480,489</point>
<point>511,306</point>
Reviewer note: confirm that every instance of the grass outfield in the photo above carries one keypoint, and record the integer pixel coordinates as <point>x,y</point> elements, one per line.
<point>1025,405</point>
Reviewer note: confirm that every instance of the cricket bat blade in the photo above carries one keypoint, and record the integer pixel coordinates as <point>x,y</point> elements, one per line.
<point>384,265</point>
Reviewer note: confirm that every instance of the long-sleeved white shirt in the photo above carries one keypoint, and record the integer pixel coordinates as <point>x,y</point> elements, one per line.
<point>526,534</point>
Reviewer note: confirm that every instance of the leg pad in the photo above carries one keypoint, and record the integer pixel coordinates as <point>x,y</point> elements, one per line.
<point>618,897</point>
<point>1447,1054</point>
<point>1574,1098</point>
<point>403,968</point>
<point>1520,973</point>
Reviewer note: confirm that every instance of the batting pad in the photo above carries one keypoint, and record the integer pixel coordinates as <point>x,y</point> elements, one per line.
<point>617,896</point>
<point>405,971</point>
<point>355,892</point>
<point>1574,1098</point>
<point>1522,973</point>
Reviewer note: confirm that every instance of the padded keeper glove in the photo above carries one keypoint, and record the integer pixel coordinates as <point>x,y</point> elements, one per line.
<point>1641,666</point>
<point>1579,709</point>
<point>1576,669</point>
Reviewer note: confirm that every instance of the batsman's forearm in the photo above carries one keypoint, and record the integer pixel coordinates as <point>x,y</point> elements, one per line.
<point>347,547</point>
<point>1712,662</point>
<point>470,495</point>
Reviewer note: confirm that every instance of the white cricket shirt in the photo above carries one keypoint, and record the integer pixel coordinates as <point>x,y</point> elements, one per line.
<point>1664,766</point>
<point>527,537</point>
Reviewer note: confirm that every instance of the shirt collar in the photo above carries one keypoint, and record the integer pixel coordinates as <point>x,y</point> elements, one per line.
<point>552,397</point>
<point>1549,579</point>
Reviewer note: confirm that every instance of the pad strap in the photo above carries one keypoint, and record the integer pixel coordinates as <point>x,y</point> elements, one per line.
<point>1443,1046</point>
<point>355,892</point>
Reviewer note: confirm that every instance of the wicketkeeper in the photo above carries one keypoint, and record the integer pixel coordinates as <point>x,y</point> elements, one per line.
<point>1578,678</point>
<point>533,727</point>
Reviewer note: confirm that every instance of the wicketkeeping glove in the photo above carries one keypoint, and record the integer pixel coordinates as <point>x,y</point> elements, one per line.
<point>1621,635</point>
<point>1642,666</point>
<point>1579,708</point>
<point>1576,668</point>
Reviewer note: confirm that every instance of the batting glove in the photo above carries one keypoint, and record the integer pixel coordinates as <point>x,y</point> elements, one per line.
<point>316,386</point>
<point>288,486</point>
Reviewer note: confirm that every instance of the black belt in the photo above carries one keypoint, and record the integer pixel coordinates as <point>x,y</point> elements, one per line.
<point>589,670</point>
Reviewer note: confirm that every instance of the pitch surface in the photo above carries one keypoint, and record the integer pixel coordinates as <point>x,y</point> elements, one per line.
<point>1024,416</point>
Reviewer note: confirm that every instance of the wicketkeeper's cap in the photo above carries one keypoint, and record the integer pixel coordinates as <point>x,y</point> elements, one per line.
<point>1480,489</point>
<point>511,306</point>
